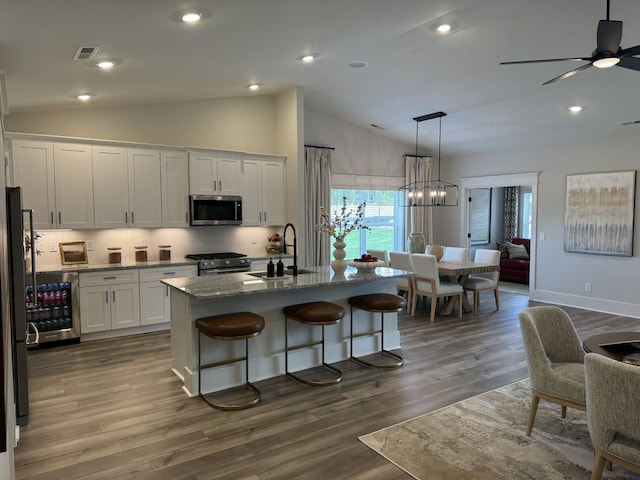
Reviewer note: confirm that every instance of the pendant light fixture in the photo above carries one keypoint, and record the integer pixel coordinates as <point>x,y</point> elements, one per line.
<point>430,193</point>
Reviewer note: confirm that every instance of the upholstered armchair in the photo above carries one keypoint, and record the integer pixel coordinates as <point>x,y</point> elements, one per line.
<point>555,359</point>
<point>613,412</point>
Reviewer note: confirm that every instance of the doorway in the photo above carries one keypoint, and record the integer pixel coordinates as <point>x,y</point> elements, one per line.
<point>529,181</point>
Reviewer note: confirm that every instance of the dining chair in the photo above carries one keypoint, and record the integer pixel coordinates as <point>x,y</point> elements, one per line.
<point>426,282</point>
<point>555,359</point>
<point>481,282</point>
<point>381,254</point>
<point>402,261</point>
<point>613,412</point>
<point>455,254</point>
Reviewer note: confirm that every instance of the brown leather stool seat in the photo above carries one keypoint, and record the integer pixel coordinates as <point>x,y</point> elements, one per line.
<point>230,326</point>
<point>377,303</point>
<point>313,313</point>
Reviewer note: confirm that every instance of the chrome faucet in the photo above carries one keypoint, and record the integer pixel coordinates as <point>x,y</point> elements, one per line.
<point>294,267</point>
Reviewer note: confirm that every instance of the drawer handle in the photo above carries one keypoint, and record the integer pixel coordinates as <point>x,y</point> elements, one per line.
<point>169,273</point>
<point>109,278</point>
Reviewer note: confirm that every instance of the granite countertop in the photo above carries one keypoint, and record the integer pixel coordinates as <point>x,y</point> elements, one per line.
<point>234,284</point>
<point>112,266</point>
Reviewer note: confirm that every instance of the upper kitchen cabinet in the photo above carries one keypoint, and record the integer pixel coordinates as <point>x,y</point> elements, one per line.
<point>127,187</point>
<point>56,181</point>
<point>175,189</point>
<point>215,172</point>
<point>263,190</point>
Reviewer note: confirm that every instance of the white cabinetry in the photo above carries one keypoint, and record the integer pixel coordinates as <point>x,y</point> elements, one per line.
<point>56,181</point>
<point>155,306</point>
<point>109,300</point>
<point>215,173</point>
<point>175,189</point>
<point>263,190</point>
<point>127,187</point>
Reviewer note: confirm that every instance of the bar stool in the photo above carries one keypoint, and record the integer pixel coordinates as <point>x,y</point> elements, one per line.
<point>229,327</point>
<point>313,313</point>
<point>377,303</point>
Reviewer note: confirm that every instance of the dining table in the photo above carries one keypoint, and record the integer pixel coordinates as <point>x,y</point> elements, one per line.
<point>621,346</point>
<point>459,272</point>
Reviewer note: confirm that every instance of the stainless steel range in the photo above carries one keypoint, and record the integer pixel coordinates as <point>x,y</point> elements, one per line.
<point>223,262</point>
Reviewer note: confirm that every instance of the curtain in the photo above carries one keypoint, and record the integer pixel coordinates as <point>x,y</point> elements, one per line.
<point>317,175</point>
<point>418,219</point>
<point>511,199</point>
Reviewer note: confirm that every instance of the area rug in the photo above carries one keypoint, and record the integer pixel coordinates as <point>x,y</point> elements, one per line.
<point>511,287</point>
<point>483,438</point>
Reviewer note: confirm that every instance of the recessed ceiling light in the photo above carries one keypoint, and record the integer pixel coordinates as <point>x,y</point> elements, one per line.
<point>254,86</point>
<point>191,17</point>
<point>105,64</point>
<point>358,64</point>
<point>83,97</point>
<point>575,108</point>
<point>443,28</point>
<point>308,58</point>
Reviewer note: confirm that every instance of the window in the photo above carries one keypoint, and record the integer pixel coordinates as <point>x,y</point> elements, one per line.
<point>382,215</point>
<point>524,217</point>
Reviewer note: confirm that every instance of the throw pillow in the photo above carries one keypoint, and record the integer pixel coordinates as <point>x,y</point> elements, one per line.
<point>518,252</point>
<point>504,252</point>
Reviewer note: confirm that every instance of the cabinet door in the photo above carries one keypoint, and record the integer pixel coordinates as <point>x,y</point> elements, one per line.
<point>175,189</point>
<point>145,197</point>
<point>125,305</point>
<point>251,193</point>
<point>95,309</point>
<point>73,185</point>
<point>202,173</point>
<point>111,195</point>
<point>229,174</point>
<point>33,171</point>
<point>273,193</point>
<point>154,303</point>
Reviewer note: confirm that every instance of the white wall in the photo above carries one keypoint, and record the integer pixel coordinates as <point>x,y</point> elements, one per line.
<point>561,276</point>
<point>242,123</point>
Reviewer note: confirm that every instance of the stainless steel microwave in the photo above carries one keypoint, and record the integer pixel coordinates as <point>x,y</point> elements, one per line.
<point>215,210</point>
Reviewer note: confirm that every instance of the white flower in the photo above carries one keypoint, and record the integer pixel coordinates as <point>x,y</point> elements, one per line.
<point>343,222</point>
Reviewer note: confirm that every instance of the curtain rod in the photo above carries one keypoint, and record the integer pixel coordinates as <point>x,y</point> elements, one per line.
<point>318,146</point>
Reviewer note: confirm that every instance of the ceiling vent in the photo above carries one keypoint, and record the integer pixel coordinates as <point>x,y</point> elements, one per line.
<point>85,53</point>
<point>631,122</point>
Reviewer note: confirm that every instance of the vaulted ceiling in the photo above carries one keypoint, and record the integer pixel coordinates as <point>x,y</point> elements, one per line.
<point>411,69</point>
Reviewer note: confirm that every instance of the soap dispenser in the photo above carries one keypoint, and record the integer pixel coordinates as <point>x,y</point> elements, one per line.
<point>280,268</point>
<point>271,269</point>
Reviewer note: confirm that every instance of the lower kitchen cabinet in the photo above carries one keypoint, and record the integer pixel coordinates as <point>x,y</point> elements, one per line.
<point>155,306</point>
<point>109,300</point>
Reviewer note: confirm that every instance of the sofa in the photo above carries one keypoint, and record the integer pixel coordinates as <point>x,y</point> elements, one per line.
<point>514,269</point>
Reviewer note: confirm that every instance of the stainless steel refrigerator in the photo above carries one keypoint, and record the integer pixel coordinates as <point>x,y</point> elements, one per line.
<point>21,330</point>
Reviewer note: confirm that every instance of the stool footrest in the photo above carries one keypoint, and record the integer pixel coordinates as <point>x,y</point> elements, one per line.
<point>330,381</point>
<point>208,397</point>
<point>397,360</point>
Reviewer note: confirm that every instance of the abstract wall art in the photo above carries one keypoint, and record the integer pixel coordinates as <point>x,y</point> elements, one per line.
<point>599,213</point>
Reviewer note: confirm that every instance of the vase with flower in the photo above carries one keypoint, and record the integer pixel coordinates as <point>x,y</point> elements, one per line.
<point>339,225</point>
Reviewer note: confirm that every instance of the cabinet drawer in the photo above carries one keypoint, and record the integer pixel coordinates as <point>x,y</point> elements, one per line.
<point>109,277</point>
<point>153,274</point>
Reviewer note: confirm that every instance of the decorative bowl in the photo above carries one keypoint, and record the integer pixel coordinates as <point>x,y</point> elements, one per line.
<point>365,266</point>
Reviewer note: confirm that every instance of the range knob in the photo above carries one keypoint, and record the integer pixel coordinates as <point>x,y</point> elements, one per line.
<point>227,262</point>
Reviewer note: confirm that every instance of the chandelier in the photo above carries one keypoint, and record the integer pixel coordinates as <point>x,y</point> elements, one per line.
<point>429,193</point>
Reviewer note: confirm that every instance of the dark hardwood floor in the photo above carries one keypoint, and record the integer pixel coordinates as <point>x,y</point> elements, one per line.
<point>112,409</point>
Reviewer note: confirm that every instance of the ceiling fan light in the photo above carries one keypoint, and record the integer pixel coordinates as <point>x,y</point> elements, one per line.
<point>606,62</point>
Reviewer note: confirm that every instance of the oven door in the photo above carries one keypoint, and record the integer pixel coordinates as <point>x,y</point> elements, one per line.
<point>218,271</point>
<point>215,210</point>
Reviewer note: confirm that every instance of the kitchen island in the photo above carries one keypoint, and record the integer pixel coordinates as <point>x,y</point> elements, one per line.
<point>196,297</point>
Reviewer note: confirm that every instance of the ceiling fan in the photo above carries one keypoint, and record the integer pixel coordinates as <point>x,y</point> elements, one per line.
<point>607,53</point>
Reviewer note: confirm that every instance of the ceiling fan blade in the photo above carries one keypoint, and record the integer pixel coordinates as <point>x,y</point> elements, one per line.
<point>573,59</point>
<point>632,63</point>
<point>609,35</point>
<point>568,74</point>
<point>630,52</point>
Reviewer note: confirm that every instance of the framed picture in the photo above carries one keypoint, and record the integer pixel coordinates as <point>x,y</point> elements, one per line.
<point>599,213</point>
<point>480,216</point>
<point>73,252</point>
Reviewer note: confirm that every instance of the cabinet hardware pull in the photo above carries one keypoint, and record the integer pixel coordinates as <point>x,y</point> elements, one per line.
<point>132,218</point>
<point>59,218</point>
<point>109,278</point>
<point>265,216</point>
<point>52,218</point>
<point>126,217</point>
<point>106,297</point>
<point>113,294</point>
<point>220,183</point>
<point>215,184</point>
<point>166,290</point>
<point>169,273</point>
